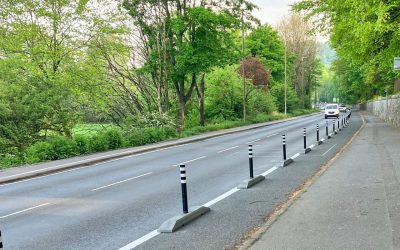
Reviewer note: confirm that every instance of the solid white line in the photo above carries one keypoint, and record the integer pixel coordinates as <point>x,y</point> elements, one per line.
<point>227,149</point>
<point>269,171</point>
<point>329,150</point>
<point>66,164</point>
<point>221,197</point>
<point>141,240</point>
<point>208,204</point>
<point>253,141</point>
<point>198,158</point>
<point>5,216</point>
<point>295,156</point>
<point>272,135</point>
<point>119,182</point>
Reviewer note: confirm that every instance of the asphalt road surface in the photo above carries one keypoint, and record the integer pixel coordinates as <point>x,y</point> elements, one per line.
<point>120,203</point>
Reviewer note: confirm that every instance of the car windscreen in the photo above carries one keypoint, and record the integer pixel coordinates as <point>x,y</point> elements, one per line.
<point>331,107</point>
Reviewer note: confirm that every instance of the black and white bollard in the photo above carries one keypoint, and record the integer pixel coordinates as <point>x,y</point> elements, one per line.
<point>1,242</point>
<point>284,146</point>
<point>305,138</point>
<point>184,189</point>
<point>338,125</point>
<point>327,130</point>
<point>318,134</point>
<point>334,130</point>
<point>251,161</point>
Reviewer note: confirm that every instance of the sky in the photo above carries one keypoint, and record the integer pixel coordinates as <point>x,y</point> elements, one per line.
<point>272,11</point>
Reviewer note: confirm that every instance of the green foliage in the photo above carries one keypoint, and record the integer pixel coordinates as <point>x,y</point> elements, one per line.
<point>265,43</point>
<point>40,151</point>
<point>82,144</point>
<point>262,102</point>
<point>224,94</point>
<point>366,37</point>
<point>292,101</point>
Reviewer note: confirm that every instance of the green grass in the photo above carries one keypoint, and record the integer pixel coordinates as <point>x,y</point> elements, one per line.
<point>92,138</point>
<point>90,128</point>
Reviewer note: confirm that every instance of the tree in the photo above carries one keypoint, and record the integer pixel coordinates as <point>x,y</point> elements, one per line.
<point>295,33</point>
<point>365,35</point>
<point>195,38</point>
<point>41,44</point>
<point>264,42</point>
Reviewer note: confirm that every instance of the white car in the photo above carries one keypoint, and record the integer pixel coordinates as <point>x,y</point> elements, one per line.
<point>342,108</point>
<point>332,110</point>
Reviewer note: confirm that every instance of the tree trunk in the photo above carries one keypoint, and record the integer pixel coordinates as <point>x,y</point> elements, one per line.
<point>201,100</point>
<point>181,114</point>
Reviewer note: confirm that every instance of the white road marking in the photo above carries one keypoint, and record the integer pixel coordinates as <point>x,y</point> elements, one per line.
<point>69,170</point>
<point>198,158</point>
<point>25,210</point>
<point>141,240</point>
<point>221,197</point>
<point>119,182</point>
<point>295,156</point>
<point>272,135</point>
<point>269,171</point>
<point>154,233</point>
<point>227,149</point>
<point>253,141</point>
<point>312,146</point>
<point>329,150</point>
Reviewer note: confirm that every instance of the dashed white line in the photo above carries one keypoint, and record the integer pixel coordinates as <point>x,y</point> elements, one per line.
<point>253,141</point>
<point>272,135</point>
<point>329,150</point>
<point>141,240</point>
<point>227,149</point>
<point>119,182</point>
<point>74,169</point>
<point>198,158</point>
<point>25,210</point>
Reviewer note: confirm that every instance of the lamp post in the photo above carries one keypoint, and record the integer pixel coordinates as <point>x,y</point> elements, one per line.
<point>243,71</point>
<point>285,77</point>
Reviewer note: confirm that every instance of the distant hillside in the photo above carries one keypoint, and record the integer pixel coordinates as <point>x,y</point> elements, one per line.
<point>327,54</point>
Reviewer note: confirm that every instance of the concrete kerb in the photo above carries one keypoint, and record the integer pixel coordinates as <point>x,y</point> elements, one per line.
<point>249,183</point>
<point>287,162</point>
<point>179,221</point>
<point>113,155</point>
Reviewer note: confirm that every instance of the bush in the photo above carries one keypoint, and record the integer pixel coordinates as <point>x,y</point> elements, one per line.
<point>10,160</point>
<point>63,148</point>
<point>114,138</point>
<point>39,151</point>
<point>82,144</point>
<point>97,143</point>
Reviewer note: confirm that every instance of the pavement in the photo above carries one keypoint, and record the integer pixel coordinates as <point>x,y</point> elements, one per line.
<point>353,204</point>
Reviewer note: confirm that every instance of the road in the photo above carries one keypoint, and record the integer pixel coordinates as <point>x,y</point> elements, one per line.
<point>112,204</point>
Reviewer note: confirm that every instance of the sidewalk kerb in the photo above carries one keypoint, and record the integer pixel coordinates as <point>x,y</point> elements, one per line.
<point>286,205</point>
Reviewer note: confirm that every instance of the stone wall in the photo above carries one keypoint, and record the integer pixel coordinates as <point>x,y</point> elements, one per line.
<point>387,110</point>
